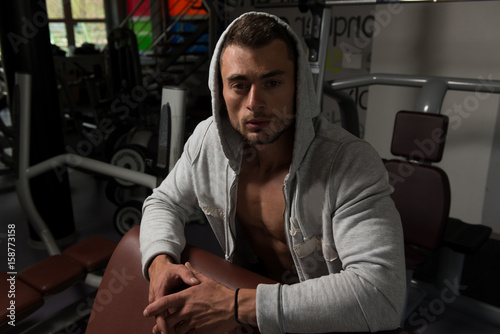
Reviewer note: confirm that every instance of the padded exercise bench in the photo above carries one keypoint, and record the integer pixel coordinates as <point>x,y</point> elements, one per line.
<point>119,303</point>
<point>27,300</point>
<point>53,275</point>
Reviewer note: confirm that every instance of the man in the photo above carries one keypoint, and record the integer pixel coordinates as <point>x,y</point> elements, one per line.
<point>284,191</point>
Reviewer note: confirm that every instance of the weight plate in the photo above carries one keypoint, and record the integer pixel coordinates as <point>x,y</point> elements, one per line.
<point>129,157</point>
<point>127,215</point>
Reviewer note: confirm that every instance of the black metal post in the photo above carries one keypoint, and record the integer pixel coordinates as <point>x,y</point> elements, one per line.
<point>26,48</point>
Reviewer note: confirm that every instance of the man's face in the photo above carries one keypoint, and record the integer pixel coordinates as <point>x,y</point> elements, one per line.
<point>259,91</point>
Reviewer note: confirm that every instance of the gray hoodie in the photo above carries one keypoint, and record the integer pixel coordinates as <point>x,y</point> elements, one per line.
<point>342,229</point>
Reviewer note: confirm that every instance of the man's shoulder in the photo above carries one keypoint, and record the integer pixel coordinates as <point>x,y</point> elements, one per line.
<point>331,141</point>
<point>204,130</point>
<point>205,133</point>
<point>204,126</point>
<point>332,133</point>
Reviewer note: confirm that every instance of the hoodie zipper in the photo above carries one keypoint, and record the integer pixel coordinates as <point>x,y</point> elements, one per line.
<point>228,231</point>
<point>288,226</point>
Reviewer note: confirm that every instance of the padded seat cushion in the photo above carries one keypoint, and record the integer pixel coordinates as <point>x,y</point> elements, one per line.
<point>27,299</point>
<point>53,274</point>
<point>92,253</point>
<point>422,197</point>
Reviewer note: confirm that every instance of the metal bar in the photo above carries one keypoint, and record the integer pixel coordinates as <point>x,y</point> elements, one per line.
<point>164,136</point>
<point>124,22</point>
<point>348,110</point>
<point>318,67</point>
<point>349,2</point>
<point>431,96</point>
<point>363,2</point>
<point>460,84</point>
<point>79,162</point>
<point>70,23</point>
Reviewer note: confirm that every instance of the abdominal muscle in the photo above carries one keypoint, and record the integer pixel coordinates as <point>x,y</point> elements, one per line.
<point>260,210</point>
<point>271,251</point>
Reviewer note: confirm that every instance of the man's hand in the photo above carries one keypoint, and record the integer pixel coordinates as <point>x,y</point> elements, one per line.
<point>206,308</point>
<point>165,277</point>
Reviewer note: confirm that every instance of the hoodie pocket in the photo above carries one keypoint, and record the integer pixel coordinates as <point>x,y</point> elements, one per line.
<point>216,218</point>
<point>317,257</point>
<point>316,244</point>
<point>212,211</point>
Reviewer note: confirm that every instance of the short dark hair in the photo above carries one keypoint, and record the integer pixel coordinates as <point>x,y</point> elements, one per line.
<point>256,31</point>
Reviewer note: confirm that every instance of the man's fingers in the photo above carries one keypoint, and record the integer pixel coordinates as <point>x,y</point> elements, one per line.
<point>188,276</point>
<point>173,322</point>
<point>183,327</point>
<point>198,275</point>
<point>151,296</point>
<point>161,325</point>
<point>163,304</point>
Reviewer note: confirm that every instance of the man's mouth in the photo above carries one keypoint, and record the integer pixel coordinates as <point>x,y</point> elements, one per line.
<point>257,123</point>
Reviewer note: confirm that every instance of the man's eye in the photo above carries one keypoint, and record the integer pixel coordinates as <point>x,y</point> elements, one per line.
<point>239,86</point>
<point>273,83</point>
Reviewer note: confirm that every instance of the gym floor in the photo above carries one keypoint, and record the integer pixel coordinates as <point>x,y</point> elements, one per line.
<point>93,214</point>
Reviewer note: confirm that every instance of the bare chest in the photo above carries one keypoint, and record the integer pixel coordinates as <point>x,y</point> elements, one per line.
<point>261,205</point>
<point>260,210</point>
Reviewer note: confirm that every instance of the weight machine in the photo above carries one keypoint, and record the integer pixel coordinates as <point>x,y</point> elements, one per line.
<point>83,260</point>
<point>172,124</point>
<point>460,238</point>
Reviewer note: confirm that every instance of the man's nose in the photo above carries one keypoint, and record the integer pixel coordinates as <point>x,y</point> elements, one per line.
<point>255,101</point>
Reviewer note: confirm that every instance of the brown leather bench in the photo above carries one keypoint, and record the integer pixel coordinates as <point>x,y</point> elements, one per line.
<point>26,300</point>
<point>123,293</point>
<point>92,253</point>
<point>52,275</point>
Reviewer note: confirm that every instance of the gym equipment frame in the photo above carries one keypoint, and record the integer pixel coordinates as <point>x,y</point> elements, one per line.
<point>432,92</point>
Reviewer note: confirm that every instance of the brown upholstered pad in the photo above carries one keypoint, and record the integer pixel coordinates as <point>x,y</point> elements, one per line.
<point>92,253</point>
<point>123,293</point>
<point>419,136</point>
<point>52,274</point>
<point>26,299</point>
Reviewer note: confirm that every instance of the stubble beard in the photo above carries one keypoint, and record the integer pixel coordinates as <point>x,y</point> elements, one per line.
<point>269,134</point>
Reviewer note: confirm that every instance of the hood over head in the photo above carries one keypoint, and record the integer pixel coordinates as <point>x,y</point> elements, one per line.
<point>306,106</point>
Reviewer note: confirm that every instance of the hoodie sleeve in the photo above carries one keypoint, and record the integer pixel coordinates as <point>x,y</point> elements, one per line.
<point>167,209</point>
<point>368,293</point>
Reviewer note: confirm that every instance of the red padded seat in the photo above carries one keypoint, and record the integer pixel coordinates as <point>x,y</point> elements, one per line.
<point>27,300</point>
<point>92,253</point>
<point>53,274</point>
<point>422,197</point>
<point>421,192</point>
